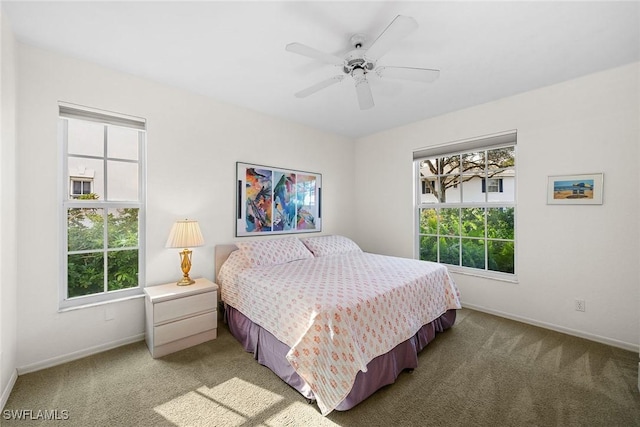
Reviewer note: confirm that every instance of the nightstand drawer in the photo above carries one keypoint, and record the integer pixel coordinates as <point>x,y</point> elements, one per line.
<point>183,328</point>
<point>174,309</point>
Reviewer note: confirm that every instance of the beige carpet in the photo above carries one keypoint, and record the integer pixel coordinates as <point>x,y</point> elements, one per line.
<point>485,371</point>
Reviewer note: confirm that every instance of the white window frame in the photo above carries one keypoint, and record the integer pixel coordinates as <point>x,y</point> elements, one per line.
<point>73,112</point>
<point>488,142</point>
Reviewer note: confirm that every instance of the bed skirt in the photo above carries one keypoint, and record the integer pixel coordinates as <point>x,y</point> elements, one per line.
<point>381,371</point>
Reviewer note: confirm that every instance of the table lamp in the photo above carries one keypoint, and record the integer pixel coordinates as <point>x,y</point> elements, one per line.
<point>185,234</point>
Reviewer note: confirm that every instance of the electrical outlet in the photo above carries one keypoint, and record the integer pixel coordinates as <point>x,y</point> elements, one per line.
<point>580,306</point>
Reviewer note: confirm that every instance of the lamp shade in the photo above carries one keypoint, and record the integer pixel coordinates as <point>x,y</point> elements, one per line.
<point>185,234</point>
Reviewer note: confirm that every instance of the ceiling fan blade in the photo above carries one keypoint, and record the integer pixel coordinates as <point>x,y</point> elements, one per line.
<point>399,28</point>
<point>318,86</point>
<point>310,52</point>
<point>424,75</point>
<point>365,97</point>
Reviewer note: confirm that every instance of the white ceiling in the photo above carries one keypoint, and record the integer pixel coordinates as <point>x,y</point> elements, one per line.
<point>235,51</point>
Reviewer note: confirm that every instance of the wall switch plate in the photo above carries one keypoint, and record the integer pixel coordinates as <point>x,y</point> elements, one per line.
<point>580,305</point>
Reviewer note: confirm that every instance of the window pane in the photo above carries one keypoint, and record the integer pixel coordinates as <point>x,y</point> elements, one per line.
<point>473,253</point>
<point>429,168</point>
<point>123,269</point>
<point>501,166</point>
<point>88,170</point>
<point>500,256</point>
<point>473,163</point>
<point>500,223</point>
<point>123,228</point>
<point>429,190</point>
<point>429,248</point>
<point>449,250</point>
<point>450,222</point>
<point>449,165</point>
<point>122,180</point>
<point>428,221</point>
<point>503,188</point>
<point>85,229</point>
<point>472,222</point>
<point>500,158</point>
<point>449,190</point>
<point>86,138</point>
<point>472,189</point>
<point>122,143</point>
<point>85,274</point>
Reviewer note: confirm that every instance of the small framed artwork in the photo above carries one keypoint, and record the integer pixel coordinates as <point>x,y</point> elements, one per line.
<point>277,201</point>
<point>583,189</point>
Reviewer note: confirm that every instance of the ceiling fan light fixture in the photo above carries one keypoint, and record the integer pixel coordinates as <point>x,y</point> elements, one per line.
<point>363,91</point>
<point>358,75</point>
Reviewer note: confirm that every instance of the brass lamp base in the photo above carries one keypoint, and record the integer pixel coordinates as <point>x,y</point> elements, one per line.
<point>185,265</point>
<point>186,281</point>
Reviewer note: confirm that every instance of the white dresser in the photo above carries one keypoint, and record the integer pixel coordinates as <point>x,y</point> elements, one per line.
<point>178,317</point>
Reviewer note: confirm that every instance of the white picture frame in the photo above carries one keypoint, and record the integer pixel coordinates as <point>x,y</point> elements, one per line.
<point>583,189</point>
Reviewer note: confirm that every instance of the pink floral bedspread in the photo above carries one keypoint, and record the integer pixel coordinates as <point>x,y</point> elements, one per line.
<point>337,313</point>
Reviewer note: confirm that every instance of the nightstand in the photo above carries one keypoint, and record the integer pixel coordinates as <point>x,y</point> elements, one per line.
<point>178,317</point>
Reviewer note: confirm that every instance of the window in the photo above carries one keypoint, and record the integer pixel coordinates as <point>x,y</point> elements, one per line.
<point>427,185</point>
<point>467,220</point>
<point>492,185</point>
<point>80,187</point>
<point>103,211</point>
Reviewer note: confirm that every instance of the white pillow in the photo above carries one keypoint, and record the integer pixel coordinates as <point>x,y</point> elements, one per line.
<point>275,251</point>
<point>330,245</point>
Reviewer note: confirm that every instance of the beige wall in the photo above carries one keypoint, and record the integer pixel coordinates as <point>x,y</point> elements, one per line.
<point>585,125</point>
<point>8,242</point>
<point>193,144</point>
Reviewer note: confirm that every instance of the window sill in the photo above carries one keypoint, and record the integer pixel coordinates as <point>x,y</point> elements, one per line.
<point>502,277</point>
<point>96,304</point>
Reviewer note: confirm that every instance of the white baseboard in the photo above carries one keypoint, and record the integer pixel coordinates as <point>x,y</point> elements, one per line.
<point>58,360</point>
<point>592,337</point>
<point>7,390</point>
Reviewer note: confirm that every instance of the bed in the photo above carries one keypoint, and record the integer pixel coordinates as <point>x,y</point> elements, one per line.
<point>332,321</point>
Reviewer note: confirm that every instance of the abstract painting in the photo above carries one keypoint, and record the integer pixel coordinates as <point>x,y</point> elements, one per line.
<point>277,201</point>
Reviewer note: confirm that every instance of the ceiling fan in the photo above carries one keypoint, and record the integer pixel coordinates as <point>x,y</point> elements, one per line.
<point>359,62</point>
